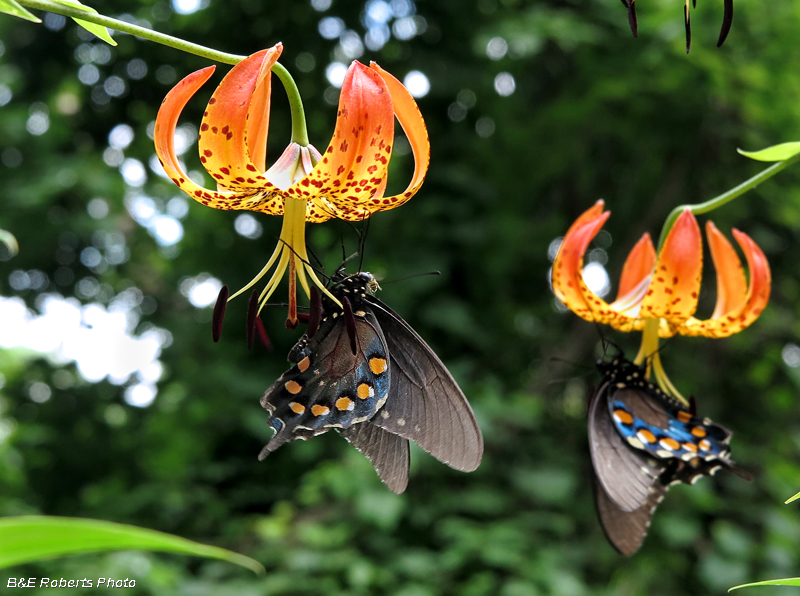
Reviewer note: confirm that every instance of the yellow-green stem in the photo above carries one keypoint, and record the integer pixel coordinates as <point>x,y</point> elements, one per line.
<point>725,197</point>
<point>299,130</point>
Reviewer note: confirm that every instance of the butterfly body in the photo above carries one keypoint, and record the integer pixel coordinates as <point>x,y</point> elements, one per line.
<point>643,440</point>
<point>364,372</point>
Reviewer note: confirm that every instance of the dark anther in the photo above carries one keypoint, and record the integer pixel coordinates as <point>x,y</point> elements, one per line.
<point>692,405</point>
<point>727,21</point>
<point>262,335</point>
<point>632,18</point>
<point>219,313</point>
<point>688,27</point>
<point>315,312</point>
<point>252,315</point>
<point>303,317</point>
<point>291,324</point>
<point>350,323</point>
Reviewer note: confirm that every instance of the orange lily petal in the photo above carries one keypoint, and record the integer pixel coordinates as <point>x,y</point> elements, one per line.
<point>568,265</point>
<point>754,303</point>
<point>410,118</point>
<point>226,133</point>
<point>568,284</point>
<point>638,265</point>
<point>355,164</point>
<point>731,281</point>
<point>164,137</point>
<point>676,280</point>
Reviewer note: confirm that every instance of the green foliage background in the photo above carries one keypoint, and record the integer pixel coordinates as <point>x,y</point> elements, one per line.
<point>595,114</point>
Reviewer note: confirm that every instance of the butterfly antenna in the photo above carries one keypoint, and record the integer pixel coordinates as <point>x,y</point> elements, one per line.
<point>411,277</point>
<point>362,240</point>
<point>318,270</point>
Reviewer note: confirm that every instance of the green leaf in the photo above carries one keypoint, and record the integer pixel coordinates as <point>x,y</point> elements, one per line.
<point>15,10</point>
<point>790,499</point>
<point>31,538</point>
<point>8,239</point>
<point>775,153</point>
<point>789,581</point>
<point>98,30</point>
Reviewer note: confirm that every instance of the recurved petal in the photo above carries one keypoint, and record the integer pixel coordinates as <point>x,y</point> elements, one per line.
<point>164,137</point>
<point>676,279</point>
<point>731,281</point>
<point>755,301</point>
<point>227,131</point>
<point>568,284</point>
<point>410,118</point>
<point>638,265</point>
<point>355,164</point>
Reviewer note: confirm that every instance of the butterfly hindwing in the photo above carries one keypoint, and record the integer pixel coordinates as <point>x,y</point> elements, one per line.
<point>426,405</point>
<point>329,386</point>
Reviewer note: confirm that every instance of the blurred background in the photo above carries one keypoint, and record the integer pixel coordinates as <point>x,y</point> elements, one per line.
<point>116,405</point>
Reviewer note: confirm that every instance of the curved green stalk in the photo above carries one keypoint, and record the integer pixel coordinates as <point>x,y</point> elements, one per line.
<point>299,132</point>
<point>725,197</point>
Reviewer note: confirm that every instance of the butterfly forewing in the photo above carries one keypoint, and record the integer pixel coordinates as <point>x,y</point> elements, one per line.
<point>426,405</point>
<point>626,530</point>
<point>627,476</point>
<point>387,452</point>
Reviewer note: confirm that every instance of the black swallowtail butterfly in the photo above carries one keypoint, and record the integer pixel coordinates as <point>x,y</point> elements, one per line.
<point>363,371</point>
<point>642,441</point>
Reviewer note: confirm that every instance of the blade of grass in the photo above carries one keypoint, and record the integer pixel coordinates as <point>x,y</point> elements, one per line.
<point>32,538</point>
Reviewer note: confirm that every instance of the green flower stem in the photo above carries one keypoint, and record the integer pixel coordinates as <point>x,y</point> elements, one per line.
<point>725,197</point>
<point>299,131</point>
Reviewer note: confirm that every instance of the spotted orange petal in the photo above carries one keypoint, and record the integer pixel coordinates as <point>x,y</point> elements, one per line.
<point>731,281</point>
<point>268,201</point>
<point>164,137</point>
<point>638,265</point>
<point>754,303</point>
<point>355,164</point>
<point>673,291</point>
<point>410,118</point>
<point>568,283</point>
<point>568,265</point>
<point>234,127</point>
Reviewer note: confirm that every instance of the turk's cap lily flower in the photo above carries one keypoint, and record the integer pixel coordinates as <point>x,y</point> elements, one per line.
<point>347,181</point>
<point>666,286</point>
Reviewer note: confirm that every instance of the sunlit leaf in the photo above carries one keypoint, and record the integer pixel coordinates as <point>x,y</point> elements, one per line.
<point>32,538</point>
<point>8,239</point>
<point>790,499</point>
<point>774,153</point>
<point>98,30</point>
<point>789,581</point>
<point>14,9</point>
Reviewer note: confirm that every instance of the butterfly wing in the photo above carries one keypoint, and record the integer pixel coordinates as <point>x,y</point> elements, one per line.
<point>329,386</point>
<point>626,476</point>
<point>388,453</point>
<point>425,403</point>
<point>626,530</point>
